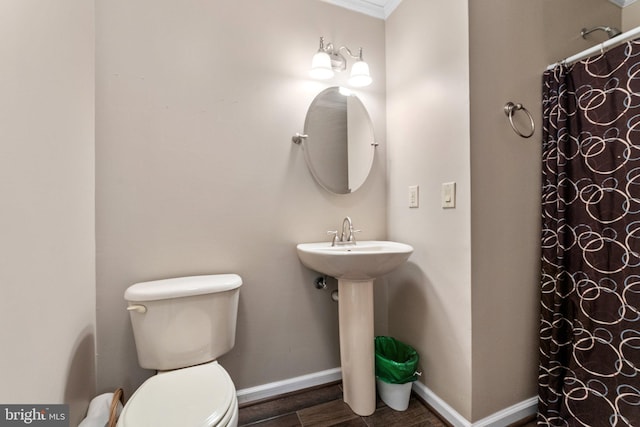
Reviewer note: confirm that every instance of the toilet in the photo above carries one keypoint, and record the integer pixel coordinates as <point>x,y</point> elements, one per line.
<point>180,327</point>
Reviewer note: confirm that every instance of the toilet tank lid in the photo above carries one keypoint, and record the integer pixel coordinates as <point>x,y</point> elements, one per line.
<point>182,287</point>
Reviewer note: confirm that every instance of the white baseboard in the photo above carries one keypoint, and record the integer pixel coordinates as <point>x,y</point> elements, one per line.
<point>499,419</point>
<point>440,406</point>
<point>277,388</point>
<point>511,414</point>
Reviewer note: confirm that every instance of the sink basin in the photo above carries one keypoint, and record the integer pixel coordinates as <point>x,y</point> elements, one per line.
<point>356,266</point>
<point>364,260</point>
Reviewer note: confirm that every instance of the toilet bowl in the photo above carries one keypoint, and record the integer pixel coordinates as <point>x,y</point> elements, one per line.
<point>202,395</point>
<point>180,327</point>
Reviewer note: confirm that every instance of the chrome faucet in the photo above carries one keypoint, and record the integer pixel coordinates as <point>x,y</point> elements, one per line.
<point>346,236</point>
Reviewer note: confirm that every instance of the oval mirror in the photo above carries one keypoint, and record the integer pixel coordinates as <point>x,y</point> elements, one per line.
<point>339,146</point>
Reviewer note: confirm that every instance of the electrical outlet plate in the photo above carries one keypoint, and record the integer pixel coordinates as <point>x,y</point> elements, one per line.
<point>448,195</point>
<point>414,199</point>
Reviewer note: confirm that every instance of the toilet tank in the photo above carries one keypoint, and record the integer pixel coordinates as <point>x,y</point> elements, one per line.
<point>183,321</point>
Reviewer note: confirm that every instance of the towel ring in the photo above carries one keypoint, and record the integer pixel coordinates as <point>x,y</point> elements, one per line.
<point>509,109</point>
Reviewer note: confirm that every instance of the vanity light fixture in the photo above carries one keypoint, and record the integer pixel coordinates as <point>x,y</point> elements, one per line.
<point>328,60</point>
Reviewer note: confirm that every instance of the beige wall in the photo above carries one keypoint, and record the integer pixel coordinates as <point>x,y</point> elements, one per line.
<point>47,252</point>
<point>630,16</point>
<point>505,195</point>
<point>468,300</point>
<point>563,21</point>
<point>428,135</point>
<point>196,172</point>
<point>505,182</point>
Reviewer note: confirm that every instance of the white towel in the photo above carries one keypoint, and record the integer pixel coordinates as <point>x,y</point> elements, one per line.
<point>98,412</point>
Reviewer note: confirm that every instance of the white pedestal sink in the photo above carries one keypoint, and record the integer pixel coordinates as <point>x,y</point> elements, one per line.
<point>356,266</point>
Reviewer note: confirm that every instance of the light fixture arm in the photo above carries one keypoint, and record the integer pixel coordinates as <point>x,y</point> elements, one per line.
<point>330,49</point>
<point>358,56</point>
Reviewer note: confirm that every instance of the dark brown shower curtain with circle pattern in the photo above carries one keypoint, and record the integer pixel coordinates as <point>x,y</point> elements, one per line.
<point>590,292</point>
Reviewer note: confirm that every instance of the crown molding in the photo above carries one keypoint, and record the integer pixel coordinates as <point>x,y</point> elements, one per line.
<point>622,3</point>
<point>380,9</point>
<point>390,6</point>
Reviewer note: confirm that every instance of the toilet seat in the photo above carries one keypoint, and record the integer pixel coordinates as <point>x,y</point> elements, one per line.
<point>198,396</point>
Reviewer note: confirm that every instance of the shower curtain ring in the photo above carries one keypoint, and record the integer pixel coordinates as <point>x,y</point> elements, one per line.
<point>509,109</point>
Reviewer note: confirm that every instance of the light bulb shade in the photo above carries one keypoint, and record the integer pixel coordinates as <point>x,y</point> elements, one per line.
<point>321,66</point>
<point>360,74</point>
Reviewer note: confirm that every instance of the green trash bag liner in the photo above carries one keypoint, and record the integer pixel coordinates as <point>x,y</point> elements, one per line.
<point>396,362</point>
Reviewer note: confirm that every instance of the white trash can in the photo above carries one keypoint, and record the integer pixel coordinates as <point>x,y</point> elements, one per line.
<point>396,366</point>
<point>395,396</point>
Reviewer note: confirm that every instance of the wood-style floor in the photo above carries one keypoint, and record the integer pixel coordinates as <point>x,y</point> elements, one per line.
<point>323,407</point>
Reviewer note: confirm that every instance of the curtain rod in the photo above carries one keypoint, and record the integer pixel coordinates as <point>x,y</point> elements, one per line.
<point>617,40</point>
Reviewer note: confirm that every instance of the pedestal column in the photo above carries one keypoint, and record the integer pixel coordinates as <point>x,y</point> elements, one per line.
<point>355,311</point>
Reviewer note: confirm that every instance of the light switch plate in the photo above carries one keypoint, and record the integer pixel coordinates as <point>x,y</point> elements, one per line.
<point>449,195</point>
<point>414,198</point>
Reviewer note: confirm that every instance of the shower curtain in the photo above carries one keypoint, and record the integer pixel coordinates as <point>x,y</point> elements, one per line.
<point>590,292</point>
